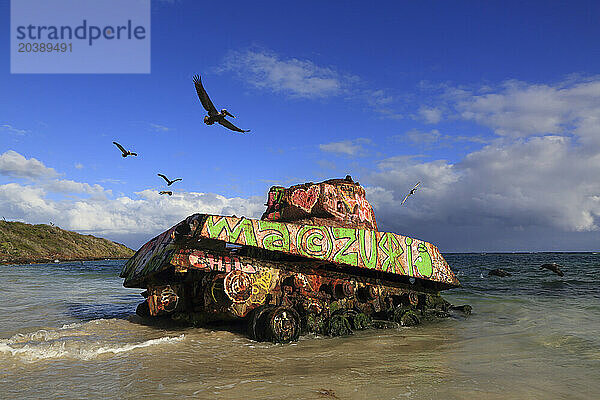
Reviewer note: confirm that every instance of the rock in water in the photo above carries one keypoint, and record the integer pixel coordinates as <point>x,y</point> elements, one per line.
<point>554,268</point>
<point>499,272</point>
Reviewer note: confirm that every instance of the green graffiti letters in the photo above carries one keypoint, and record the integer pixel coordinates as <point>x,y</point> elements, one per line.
<point>231,235</point>
<point>423,261</point>
<point>278,236</point>
<point>314,241</point>
<point>383,251</point>
<point>393,251</point>
<point>408,242</point>
<point>341,256</point>
<point>370,261</point>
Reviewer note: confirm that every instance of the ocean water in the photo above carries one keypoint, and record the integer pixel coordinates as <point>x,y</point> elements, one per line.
<point>69,331</point>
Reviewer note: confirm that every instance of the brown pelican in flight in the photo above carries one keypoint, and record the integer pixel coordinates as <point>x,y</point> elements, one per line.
<point>213,115</point>
<point>125,152</point>
<point>412,191</point>
<point>169,182</point>
<point>166,192</point>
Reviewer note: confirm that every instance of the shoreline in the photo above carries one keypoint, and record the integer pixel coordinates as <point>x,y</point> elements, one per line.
<point>51,261</point>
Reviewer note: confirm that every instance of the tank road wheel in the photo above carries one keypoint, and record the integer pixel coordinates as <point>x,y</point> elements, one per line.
<point>358,320</point>
<point>338,325</point>
<point>314,323</point>
<point>281,325</point>
<point>256,322</point>
<point>405,317</point>
<point>143,310</point>
<point>409,318</point>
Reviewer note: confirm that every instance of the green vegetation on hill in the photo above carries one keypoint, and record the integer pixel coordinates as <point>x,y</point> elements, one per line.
<point>24,243</point>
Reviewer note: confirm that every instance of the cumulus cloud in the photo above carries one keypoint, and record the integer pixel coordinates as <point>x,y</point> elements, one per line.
<point>535,181</point>
<point>15,165</point>
<point>300,78</point>
<point>519,109</point>
<point>67,186</point>
<point>543,182</point>
<point>346,147</point>
<point>142,215</point>
<point>90,208</point>
<point>430,115</point>
<point>434,137</point>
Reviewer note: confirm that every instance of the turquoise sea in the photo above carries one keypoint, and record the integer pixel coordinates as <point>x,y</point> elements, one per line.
<point>69,331</point>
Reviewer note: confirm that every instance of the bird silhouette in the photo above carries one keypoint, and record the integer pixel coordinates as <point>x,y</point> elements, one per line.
<point>169,182</point>
<point>166,192</point>
<point>125,152</point>
<point>214,115</point>
<point>412,191</point>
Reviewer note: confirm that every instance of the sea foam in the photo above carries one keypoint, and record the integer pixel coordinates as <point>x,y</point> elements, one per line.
<point>76,341</point>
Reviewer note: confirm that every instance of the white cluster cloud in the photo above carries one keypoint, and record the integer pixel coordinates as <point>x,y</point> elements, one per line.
<point>518,109</point>
<point>435,138</point>
<point>67,186</point>
<point>264,69</point>
<point>16,165</point>
<point>143,215</point>
<point>301,78</point>
<point>540,173</point>
<point>347,147</point>
<point>543,182</point>
<point>431,115</point>
<point>92,208</point>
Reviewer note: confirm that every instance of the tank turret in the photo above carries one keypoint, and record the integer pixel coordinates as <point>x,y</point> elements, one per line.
<point>334,202</point>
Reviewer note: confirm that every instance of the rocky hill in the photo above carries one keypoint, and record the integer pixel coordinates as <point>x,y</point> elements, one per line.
<point>22,243</point>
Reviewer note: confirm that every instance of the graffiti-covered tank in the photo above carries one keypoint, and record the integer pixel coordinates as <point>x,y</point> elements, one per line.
<point>314,262</point>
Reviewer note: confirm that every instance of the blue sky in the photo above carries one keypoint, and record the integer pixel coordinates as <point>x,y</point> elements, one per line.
<point>493,106</point>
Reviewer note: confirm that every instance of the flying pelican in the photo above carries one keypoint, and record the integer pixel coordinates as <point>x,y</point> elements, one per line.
<point>125,152</point>
<point>214,116</point>
<point>413,190</point>
<point>166,192</point>
<point>169,182</point>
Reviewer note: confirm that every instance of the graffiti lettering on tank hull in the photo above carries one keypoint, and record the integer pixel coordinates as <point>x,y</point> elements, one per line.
<point>383,251</point>
<point>206,261</point>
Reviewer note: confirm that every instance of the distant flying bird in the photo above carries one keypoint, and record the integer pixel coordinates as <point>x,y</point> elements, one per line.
<point>125,152</point>
<point>413,190</point>
<point>554,268</point>
<point>169,182</point>
<point>166,192</point>
<point>213,115</point>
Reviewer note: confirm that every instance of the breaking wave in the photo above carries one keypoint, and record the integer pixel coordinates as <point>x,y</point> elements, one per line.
<point>76,341</point>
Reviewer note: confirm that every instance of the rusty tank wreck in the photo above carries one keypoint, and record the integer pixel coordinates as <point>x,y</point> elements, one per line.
<point>314,262</point>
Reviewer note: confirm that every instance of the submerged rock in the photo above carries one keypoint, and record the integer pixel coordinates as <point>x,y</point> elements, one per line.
<point>499,272</point>
<point>554,268</point>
